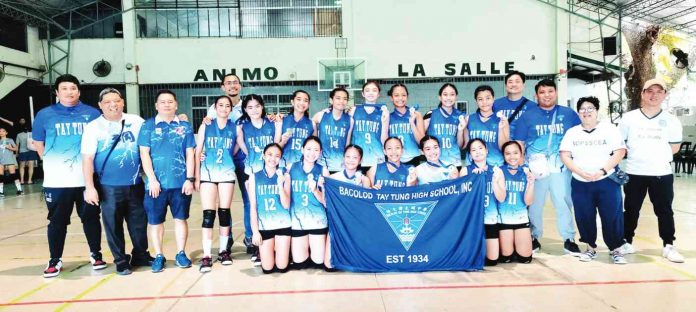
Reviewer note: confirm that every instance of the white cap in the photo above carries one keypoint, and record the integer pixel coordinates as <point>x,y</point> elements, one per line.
<point>655,81</point>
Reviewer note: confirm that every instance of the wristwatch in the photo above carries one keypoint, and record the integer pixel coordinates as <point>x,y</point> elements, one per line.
<point>191,179</point>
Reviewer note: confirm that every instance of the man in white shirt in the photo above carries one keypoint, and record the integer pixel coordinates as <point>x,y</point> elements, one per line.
<point>652,137</point>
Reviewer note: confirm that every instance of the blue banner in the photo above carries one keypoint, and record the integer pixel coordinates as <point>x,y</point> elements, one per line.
<point>421,228</point>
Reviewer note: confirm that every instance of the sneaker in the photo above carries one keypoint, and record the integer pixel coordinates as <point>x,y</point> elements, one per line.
<point>249,245</point>
<point>206,265</point>
<point>124,272</point>
<point>182,261</point>
<point>670,252</point>
<point>536,246</point>
<point>618,257</point>
<point>588,255</point>
<point>627,249</point>
<point>19,192</point>
<point>158,263</point>
<point>256,258</point>
<point>96,259</point>
<point>225,258</point>
<point>53,268</point>
<point>142,261</point>
<point>2,194</point>
<point>570,247</point>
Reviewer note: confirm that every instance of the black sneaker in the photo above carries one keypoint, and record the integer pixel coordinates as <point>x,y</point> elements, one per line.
<point>53,268</point>
<point>250,248</point>
<point>224,258</point>
<point>206,265</point>
<point>570,247</point>
<point>536,246</point>
<point>123,268</point>
<point>96,259</point>
<point>19,192</point>
<point>142,261</point>
<point>256,258</point>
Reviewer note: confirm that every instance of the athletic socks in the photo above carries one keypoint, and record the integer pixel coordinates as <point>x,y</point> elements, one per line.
<point>18,185</point>
<point>207,246</point>
<point>223,243</point>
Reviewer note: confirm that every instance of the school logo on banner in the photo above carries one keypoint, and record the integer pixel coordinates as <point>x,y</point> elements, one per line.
<point>406,219</point>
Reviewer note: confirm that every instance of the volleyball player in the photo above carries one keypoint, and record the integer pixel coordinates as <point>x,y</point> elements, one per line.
<point>334,130</point>
<point>215,178</point>
<point>270,217</point>
<point>447,124</point>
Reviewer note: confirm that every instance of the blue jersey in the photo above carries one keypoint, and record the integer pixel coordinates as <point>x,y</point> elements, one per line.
<point>542,131</point>
<point>513,210</point>
<point>490,204</point>
<point>60,128</point>
<point>122,168</point>
<point>218,147</point>
<point>270,212</point>
<point>400,127</point>
<point>168,143</point>
<point>256,140</point>
<point>306,211</point>
<point>333,135</point>
<point>300,130</point>
<point>397,178</point>
<point>445,127</point>
<point>367,133</point>
<point>507,108</point>
<point>488,132</point>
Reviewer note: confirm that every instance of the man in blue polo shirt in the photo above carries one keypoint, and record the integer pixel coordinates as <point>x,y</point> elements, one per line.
<point>166,150</point>
<point>540,130</point>
<point>109,148</point>
<point>57,134</point>
<point>513,104</point>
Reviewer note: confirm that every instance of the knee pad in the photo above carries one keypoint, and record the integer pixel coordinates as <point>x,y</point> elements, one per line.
<point>505,259</point>
<point>268,271</point>
<point>490,262</point>
<point>225,217</point>
<point>328,269</point>
<point>208,219</point>
<point>521,259</point>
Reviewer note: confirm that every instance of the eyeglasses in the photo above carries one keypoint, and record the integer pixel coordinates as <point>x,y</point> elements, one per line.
<point>587,110</point>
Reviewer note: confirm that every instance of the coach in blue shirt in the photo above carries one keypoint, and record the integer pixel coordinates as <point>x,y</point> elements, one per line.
<point>540,130</point>
<point>57,134</point>
<point>166,150</point>
<point>109,148</point>
<point>513,104</point>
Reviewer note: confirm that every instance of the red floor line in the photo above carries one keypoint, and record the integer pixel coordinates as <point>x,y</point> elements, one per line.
<point>334,290</point>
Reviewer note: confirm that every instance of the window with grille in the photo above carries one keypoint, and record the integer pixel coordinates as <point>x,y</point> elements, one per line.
<point>238,18</point>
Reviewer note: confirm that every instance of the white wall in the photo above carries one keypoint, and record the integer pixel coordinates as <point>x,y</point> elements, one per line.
<point>385,33</point>
<point>392,32</point>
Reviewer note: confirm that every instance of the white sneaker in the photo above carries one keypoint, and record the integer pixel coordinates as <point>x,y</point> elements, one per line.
<point>617,257</point>
<point>670,252</point>
<point>588,255</point>
<point>627,249</point>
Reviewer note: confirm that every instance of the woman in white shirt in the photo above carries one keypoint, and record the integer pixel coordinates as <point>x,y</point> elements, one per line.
<point>592,151</point>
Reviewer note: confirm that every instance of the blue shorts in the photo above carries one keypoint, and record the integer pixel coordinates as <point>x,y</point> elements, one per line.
<point>27,156</point>
<point>156,208</point>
